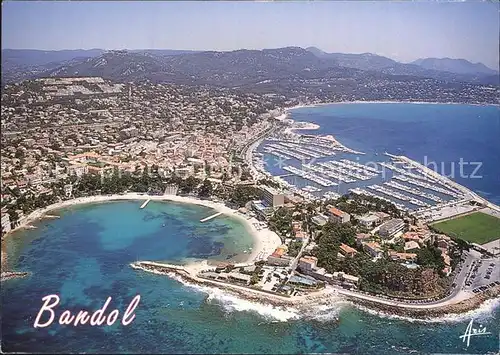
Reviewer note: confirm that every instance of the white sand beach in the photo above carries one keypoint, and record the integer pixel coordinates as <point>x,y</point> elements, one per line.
<point>265,240</point>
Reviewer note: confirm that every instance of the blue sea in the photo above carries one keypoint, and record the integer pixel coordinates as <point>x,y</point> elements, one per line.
<point>84,258</point>
<point>443,137</point>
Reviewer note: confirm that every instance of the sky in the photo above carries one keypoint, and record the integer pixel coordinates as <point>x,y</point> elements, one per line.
<point>403,31</point>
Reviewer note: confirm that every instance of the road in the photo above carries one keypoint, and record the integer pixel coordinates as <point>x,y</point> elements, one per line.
<point>389,302</point>
<point>254,140</point>
<point>295,261</point>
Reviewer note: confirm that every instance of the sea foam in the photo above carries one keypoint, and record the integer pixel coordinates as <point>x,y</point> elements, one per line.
<point>231,303</point>
<point>324,310</point>
<point>483,312</point>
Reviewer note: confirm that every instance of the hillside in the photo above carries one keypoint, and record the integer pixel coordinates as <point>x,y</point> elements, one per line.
<point>458,66</point>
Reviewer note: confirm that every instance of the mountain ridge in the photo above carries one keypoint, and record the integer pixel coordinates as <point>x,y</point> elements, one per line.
<point>455,65</point>
<point>231,68</point>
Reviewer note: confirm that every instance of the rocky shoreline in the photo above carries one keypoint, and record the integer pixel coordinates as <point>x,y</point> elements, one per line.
<point>189,279</point>
<point>323,296</point>
<point>247,293</point>
<point>457,308</point>
<point>7,275</point>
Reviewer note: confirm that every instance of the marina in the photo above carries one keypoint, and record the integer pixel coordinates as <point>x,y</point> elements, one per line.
<point>311,189</point>
<point>324,145</point>
<point>354,171</point>
<point>276,153</point>
<point>336,168</point>
<point>287,152</point>
<point>301,149</point>
<point>413,191</point>
<point>402,171</point>
<point>361,167</point>
<point>407,186</point>
<point>322,150</point>
<point>310,176</point>
<point>427,186</point>
<point>328,172</point>
<point>397,195</point>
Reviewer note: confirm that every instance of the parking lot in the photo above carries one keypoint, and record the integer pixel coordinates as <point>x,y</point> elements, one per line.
<point>485,287</point>
<point>484,272</point>
<point>272,276</point>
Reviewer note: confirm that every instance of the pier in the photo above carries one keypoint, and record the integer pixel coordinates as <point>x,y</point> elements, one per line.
<point>150,264</point>
<point>210,217</point>
<point>145,203</point>
<point>51,216</point>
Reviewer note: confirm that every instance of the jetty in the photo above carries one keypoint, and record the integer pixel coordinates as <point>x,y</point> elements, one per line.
<point>151,265</point>
<point>51,216</point>
<point>7,275</point>
<point>210,217</point>
<point>145,203</point>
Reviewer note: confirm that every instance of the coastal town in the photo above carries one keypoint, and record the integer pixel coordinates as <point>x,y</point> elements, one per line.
<point>80,139</point>
<point>256,177</point>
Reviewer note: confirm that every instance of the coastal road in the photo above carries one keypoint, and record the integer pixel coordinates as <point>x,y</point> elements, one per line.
<point>246,148</point>
<point>459,297</point>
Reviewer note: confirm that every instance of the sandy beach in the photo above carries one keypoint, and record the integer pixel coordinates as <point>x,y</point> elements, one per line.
<point>265,240</point>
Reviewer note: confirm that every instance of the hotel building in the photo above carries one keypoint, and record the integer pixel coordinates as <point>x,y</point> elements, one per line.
<point>271,196</point>
<point>391,227</point>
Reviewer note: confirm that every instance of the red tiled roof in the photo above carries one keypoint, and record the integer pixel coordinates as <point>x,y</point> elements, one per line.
<point>336,212</point>
<point>347,249</point>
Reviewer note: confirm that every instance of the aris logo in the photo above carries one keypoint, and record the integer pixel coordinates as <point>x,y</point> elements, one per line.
<point>471,331</point>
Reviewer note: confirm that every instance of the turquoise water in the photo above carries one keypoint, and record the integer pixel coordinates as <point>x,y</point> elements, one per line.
<point>436,135</point>
<point>84,258</point>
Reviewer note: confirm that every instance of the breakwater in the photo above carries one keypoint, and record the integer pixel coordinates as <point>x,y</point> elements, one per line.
<point>7,275</point>
<point>247,293</point>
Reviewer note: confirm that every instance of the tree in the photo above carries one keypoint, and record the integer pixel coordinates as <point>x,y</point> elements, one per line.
<point>294,248</point>
<point>281,221</point>
<point>254,279</point>
<point>19,153</point>
<point>206,189</point>
<point>243,194</point>
<point>189,185</point>
<point>430,256</point>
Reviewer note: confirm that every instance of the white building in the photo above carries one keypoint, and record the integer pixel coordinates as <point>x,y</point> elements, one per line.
<point>272,197</point>
<point>6,227</point>
<point>391,227</point>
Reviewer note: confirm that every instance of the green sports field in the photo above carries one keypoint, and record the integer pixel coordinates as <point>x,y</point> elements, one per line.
<point>477,228</point>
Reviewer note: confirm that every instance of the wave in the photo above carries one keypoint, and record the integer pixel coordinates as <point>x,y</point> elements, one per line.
<point>483,312</point>
<point>326,309</point>
<point>230,303</point>
<point>325,312</point>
